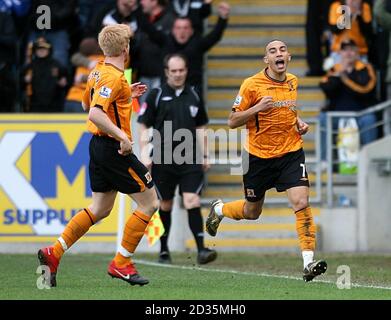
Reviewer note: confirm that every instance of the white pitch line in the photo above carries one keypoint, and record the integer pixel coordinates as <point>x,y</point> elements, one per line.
<point>155,264</point>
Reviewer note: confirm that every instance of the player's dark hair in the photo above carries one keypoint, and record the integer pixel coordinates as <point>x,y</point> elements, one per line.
<point>273,41</point>
<point>168,57</point>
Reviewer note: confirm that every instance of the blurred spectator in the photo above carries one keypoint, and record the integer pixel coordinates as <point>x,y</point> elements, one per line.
<point>124,12</point>
<point>195,10</point>
<point>382,12</point>
<point>349,86</point>
<point>7,59</point>
<point>46,80</point>
<point>63,15</point>
<point>19,8</point>
<point>89,8</point>
<point>89,48</point>
<point>316,24</point>
<point>148,56</point>
<point>360,27</point>
<point>182,39</point>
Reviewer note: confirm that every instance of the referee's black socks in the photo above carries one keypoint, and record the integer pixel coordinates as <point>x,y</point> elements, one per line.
<point>197,226</point>
<point>165,216</point>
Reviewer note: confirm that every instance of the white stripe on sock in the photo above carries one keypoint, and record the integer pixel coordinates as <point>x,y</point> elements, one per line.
<point>219,209</point>
<point>308,257</point>
<point>124,252</point>
<point>63,243</point>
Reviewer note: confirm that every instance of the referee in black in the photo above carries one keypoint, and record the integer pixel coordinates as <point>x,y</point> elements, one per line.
<point>179,156</point>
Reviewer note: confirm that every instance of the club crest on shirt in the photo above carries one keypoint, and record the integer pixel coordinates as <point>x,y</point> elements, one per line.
<point>238,100</point>
<point>95,74</point>
<point>193,111</point>
<point>291,86</point>
<point>105,92</point>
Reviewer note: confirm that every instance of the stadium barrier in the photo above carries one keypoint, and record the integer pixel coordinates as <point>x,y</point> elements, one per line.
<point>332,144</point>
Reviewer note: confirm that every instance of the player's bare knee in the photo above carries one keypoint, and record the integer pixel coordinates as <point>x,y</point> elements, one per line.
<point>252,213</point>
<point>252,216</point>
<point>147,201</point>
<point>99,213</point>
<point>300,203</point>
<point>152,207</point>
<point>101,205</point>
<point>105,214</point>
<point>252,210</point>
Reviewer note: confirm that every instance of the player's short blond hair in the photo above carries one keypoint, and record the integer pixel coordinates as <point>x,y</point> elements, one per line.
<point>114,39</point>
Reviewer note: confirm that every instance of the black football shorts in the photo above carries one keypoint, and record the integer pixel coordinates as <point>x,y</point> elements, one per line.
<point>281,173</point>
<point>111,171</point>
<point>189,177</point>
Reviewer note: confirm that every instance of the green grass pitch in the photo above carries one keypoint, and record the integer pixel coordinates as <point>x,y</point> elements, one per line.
<point>234,276</point>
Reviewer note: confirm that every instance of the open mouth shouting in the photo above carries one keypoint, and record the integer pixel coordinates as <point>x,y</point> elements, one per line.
<point>280,64</point>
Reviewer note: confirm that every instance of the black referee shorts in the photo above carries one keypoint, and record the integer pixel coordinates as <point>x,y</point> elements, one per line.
<point>189,177</point>
<point>111,171</point>
<point>281,173</point>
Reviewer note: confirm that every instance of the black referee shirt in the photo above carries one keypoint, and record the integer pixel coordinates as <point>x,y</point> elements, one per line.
<point>167,111</point>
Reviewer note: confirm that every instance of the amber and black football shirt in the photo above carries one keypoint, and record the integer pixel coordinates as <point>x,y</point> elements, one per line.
<point>108,89</point>
<point>272,133</point>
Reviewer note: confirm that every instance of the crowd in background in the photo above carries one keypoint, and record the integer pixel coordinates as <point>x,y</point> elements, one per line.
<point>368,27</point>
<point>348,46</point>
<point>45,70</point>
